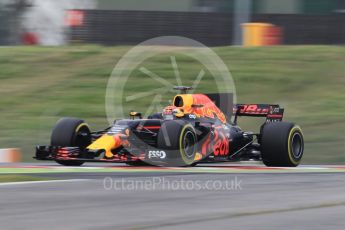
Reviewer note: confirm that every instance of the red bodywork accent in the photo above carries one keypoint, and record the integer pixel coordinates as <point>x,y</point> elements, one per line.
<point>65,154</point>
<point>218,143</point>
<point>274,116</point>
<point>253,109</point>
<point>208,109</point>
<point>152,127</point>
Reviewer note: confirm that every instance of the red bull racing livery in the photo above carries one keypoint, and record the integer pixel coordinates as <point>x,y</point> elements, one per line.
<point>195,128</point>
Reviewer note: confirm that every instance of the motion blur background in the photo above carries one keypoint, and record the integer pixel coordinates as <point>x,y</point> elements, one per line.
<point>56,58</point>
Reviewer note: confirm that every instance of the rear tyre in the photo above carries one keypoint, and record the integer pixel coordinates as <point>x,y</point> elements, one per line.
<point>282,144</point>
<point>71,132</point>
<point>179,140</point>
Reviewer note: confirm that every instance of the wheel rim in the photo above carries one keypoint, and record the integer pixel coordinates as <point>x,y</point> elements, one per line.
<point>189,144</point>
<point>297,145</point>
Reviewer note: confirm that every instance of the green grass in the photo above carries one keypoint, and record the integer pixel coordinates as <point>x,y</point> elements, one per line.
<point>19,178</point>
<point>40,84</point>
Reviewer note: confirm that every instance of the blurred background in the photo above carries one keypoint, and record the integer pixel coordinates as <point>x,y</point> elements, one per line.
<point>212,22</point>
<point>56,58</point>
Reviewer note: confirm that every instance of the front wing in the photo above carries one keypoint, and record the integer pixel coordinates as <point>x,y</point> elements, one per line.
<point>54,153</point>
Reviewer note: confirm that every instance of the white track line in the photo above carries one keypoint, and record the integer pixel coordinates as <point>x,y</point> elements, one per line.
<point>42,182</point>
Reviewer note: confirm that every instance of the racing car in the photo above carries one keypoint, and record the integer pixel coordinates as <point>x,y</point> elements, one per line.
<point>193,129</point>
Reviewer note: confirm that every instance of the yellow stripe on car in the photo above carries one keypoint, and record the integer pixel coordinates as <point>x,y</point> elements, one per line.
<point>105,142</point>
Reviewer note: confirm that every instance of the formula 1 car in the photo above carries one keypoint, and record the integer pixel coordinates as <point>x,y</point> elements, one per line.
<point>195,128</point>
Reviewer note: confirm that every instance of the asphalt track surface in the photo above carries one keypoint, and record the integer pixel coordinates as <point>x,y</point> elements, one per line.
<point>220,196</point>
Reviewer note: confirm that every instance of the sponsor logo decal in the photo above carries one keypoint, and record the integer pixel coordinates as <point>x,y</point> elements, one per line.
<point>156,154</point>
<point>192,116</point>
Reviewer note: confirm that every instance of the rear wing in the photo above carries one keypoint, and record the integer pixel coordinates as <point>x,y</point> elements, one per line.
<point>273,113</point>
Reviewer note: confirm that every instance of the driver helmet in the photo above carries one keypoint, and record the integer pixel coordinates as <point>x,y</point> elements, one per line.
<point>168,113</point>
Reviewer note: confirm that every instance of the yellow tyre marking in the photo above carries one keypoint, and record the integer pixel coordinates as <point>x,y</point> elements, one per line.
<point>80,126</point>
<point>295,128</point>
<point>182,152</point>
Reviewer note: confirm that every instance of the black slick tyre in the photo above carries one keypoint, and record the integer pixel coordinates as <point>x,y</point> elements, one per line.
<point>282,144</point>
<point>71,132</point>
<point>179,140</point>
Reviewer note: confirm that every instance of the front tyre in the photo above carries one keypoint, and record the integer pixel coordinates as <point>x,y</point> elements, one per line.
<point>282,144</point>
<point>71,132</point>
<point>179,140</point>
